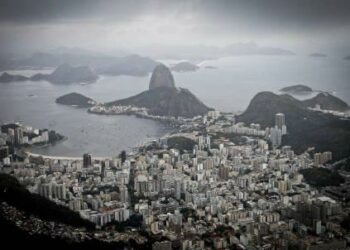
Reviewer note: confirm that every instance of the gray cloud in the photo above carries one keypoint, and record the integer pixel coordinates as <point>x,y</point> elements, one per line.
<point>300,12</point>
<point>193,21</point>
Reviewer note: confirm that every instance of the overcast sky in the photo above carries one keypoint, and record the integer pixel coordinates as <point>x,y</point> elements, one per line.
<point>297,25</point>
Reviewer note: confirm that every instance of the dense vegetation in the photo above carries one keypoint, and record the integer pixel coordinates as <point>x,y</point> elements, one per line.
<point>12,236</point>
<point>344,165</point>
<point>135,221</point>
<point>322,177</point>
<point>327,101</point>
<point>346,223</point>
<point>235,138</point>
<point>181,143</point>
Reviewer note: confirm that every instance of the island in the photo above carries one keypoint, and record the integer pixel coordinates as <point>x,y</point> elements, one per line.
<point>162,99</point>
<point>76,100</point>
<point>297,89</point>
<point>347,58</point>
<point>210,67</point>
<point>184,67</point>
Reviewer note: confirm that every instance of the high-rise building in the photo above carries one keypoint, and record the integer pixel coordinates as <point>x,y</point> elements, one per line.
<point>4,152</point>
<point>59,191</point>
<point>321,158</point>
<point>87,161</point>
<point>280,120</point>
<point>45,189</point>
<point>178,189</point>
<point>223,172</point>
<point>18,136</point>
<point>276,136</point>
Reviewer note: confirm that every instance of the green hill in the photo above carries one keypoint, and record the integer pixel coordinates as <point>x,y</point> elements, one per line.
<point>327,101</point>
<point>306,128</point>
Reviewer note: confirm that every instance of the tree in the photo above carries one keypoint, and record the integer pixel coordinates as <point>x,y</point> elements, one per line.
<point>123,156</point>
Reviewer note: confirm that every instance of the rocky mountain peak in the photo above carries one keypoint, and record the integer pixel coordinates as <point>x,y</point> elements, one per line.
<point>161,77</point>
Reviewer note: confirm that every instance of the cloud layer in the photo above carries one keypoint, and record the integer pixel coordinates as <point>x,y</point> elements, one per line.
<point>136,23</point>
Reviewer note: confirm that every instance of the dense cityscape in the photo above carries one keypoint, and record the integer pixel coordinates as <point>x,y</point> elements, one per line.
<point>185,125</point>
<point>220,184</point>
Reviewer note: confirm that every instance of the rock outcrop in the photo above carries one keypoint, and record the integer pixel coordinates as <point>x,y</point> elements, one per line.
<point>161,77</point>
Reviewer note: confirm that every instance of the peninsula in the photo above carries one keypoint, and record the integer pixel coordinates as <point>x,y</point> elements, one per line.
<point>162,99</point>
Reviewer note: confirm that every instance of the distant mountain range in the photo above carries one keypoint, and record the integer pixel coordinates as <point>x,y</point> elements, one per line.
<point>133,65</point>
<point>164,99</point>
<point>184,67</point>
<point>306,128</point>
<point>6,78</point>
<point>62,75</point>
<point>203,52</point>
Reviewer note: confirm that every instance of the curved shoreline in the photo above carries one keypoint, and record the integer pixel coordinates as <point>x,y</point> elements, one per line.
<point>72,158</point>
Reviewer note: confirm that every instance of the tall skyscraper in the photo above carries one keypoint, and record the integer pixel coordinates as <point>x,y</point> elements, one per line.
<point>18,136</point>
<point>87,160</point>
<point>280,120</point>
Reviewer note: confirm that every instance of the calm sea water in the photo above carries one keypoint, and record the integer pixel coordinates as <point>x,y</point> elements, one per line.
<point>229,87</point>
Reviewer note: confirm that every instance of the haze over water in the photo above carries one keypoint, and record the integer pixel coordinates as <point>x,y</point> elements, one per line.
<point>229,87</point>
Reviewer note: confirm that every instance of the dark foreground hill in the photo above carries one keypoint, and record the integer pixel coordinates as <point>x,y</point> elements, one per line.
<point>306,128</point>
<point>17,196</point>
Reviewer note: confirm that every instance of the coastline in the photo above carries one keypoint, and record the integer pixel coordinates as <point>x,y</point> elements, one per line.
<point>172,121</point>
<point>72,158</point>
